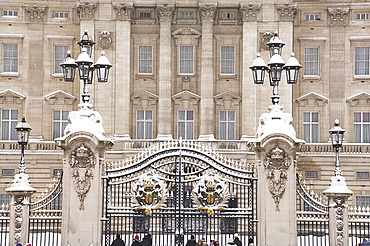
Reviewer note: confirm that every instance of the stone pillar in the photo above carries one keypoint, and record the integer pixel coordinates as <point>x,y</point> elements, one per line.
<point>123,79</point>
<point>338,194</point>
<point>165,14</point>
<point>20,193</point>
<point>207,14</point>
<point>276,146</point>
<point>250,49</point>
<point>86,12</point>
<point>84,147</point>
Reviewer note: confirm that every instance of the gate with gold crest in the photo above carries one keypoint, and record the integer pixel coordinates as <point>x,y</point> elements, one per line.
<point>176,189</point>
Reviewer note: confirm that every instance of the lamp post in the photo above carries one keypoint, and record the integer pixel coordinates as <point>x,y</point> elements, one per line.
<point>274,67</point>
<point>336,133</point>
<point>85,66</point>
<point>23,129</point>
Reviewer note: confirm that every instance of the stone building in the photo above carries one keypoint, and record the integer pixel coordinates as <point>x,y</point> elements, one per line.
<point>180,69</point>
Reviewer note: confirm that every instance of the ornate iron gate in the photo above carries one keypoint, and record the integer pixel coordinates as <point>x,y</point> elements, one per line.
<point>177,189</point>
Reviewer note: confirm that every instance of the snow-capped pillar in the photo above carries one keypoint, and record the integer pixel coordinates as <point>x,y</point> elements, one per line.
<point>20,193</point>
<point>276,146</point>
<point>338,194</point>
<point>84,147</point>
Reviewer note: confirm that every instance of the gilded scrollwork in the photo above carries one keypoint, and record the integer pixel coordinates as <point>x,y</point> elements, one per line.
<point>277,162</point>
<point>210,193</point>
<point>148,193</point>
<point>82,161</point>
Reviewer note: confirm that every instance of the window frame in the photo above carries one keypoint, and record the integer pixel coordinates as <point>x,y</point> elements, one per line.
<point>180,60</point>
<point>7,169</point>
<point>221,60</point>
<point>60,121</point>
<point>60,12</point>
<point>186,122</point>
<point>312,15</point>
<point>367,16</point>
<point>311,171</point>
<point>317,68</point>
<point>12,58</point>
<point>311,123</point>
<point>358,61</point>
<point>59,60</point>
<point>10,16</point>
<point>144,121</point>
<point>361,178</point>
<point>151,60</point>
<point>10,121</point>
<point>361,123</point>
<point>227,121</point>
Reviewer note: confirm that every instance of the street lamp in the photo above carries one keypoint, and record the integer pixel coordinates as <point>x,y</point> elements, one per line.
<point>85,65</point>
<point>336,134</point>
<point>23,129</point>
<point>275,67</point>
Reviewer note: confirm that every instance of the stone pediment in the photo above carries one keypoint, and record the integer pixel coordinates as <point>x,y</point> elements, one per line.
<point>227,99</point>
<point>186,31</point>
<point>312,99</point>
<point>11,97</point>
<point>359,99</point>
<point>144,98</point>
<point>186,36</point>
<point>186,96</point>
<point>59,97</point>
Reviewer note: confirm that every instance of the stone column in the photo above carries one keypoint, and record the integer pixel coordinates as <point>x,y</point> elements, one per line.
<point>207,14</point>
<point>250,49</point>
<point>84,148</point>
<point>20,193</point>
<point>86,12</point>
<point>123,70</point>
<point>165,14</point>
<point>287,14</point>
<point>276,146</point>
<point>338,194</point>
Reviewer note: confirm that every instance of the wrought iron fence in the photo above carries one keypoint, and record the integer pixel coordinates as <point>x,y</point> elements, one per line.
<point>4,225</point>
<point>358,224</point>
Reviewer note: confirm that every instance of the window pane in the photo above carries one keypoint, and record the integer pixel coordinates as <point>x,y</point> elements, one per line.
<point>65,115</point>
<point>223,130</point>
<point>56,130</point>
<point>14,114</point>
<point>148,115</point>
<point>5,114</point>
<point>60,52</point>
<point>311,61</point>
<point>181,114</point>
<point>140,115</point>
<point>306,133</point>
<point>231,116</point>
<point>56,115</point>
<point>186,59</point>
<point>366,117</point>
<point>362,60</point>
<point>315,117</point>
<point>5,130</point>
<point>231,131</point>
<point>357,134</point>
<point>13,132</point>
<point>10,57</point>
<point>227,59</point>
<point>223,115</point>
<point>315,133</point>
<point>310,174</point>
<point>140,130</point>
<point>64,124</point>
<point>362,175</point>
<point>357,117</point>
<point>145,59</point>
<point>148,130</point>
<point>189,130</point>
<point>366,134</point>
<point>189,115</point>
<point>306,117</point>
<point>181,130</point>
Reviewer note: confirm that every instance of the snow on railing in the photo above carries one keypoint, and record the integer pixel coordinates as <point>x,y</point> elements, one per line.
<point>312,216</point>
<point>36,145</point>
<point>328,148</point>
<point>359,214</point>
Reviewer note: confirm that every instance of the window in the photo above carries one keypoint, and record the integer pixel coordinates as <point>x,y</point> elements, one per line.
<point>227,59</point>
<point>311,127</point>
<point>145,15</point>
<point>311,61</point>
<point>310,174</point>
<point>227,125</point>
<point>4,198</point>
<point>9,120</point>
<point>56,171</point>
<point>362,60</point>
<point>185,127</point>
<point>186,15</point>
<point>144,124</point>
<point>362,175</point>
<point>145,59</point>
<point>7,172</point>
<point>10,56</point>
<point>362,127</point>
<point>60,121</point>
<point>10,13</point>
<point>186,59</point>
<point>60,52</point>
<point>64,15</point>
<point>312,17</point>
<point>228,16</point>
<point>362,201</point>
<point>362,16</point>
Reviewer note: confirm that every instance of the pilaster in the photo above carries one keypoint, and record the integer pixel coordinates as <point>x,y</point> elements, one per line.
<point>207,14</point>
<point>165,15</point>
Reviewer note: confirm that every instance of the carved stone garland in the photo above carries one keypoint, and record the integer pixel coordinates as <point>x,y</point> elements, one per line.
<point>82,161</point>
<point>277,162</point>
<point>18,212</point>
<point>339,222</point>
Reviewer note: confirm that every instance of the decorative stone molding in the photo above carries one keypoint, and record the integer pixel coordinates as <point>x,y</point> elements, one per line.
<point>165,12</point>
<point>144,99</point>
<point>105,40</point>
<point>312,99</point>
<point>18,213</point>
<point>59,97</point>
<point>227,99</point>
<point>359,99</point>
<point>207,11</point>
<point>185,99</point>
<point>124,11</point>
<point>10,96</point>
<point>250,11</point>
<point>338,16</point>
<point>287,12</point>
<point>86,10</point>
<point>264,39</point>
<point>35,13</point>
<point>277,162</point>
<point>186,36</point>
<point>186,31</point>
<point>82,161</point>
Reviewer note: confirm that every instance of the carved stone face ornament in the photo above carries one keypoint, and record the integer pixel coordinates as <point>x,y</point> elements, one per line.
<point>210,193</point>
<point>149,193</point>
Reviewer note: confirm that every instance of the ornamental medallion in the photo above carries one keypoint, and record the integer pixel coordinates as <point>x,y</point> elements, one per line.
<point>210,193</point>
<point>149,193</point>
